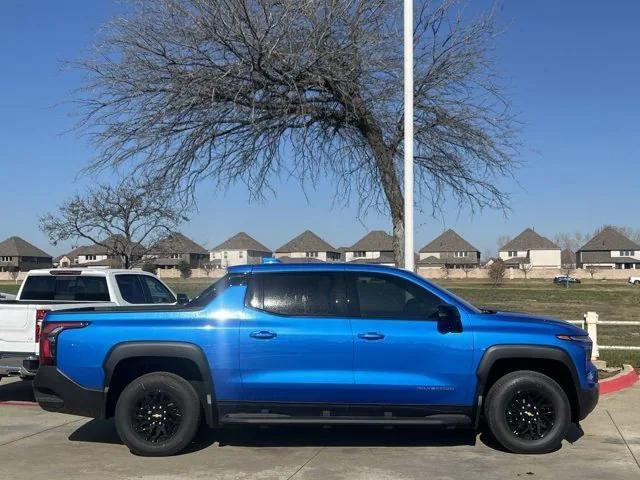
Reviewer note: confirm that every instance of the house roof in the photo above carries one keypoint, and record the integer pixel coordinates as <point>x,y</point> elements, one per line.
<point>431,260</point>
<point>166,262</point>
<point>18,247</point>
<point>517,260</point>
<point>176,242</point>
<point>107,262</point>
<point>449,241</point>
<point>529,240</point>
<point>374,241</point>
<point>300,260</point>
<point>610,239</point>
<point>385,257</point>
<point>307,241</point>
<point>99,249</point>
<point>592,256</point>
<point>242,241</point>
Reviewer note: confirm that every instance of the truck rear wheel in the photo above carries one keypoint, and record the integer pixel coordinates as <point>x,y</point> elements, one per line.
<point>528,412</point>
<point>157,414</point>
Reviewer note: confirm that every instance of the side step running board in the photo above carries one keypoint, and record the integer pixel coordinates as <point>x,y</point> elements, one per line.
<point>444,420</point>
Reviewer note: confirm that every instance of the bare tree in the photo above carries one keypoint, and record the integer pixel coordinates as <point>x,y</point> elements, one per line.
<point>571,241</point>
<point>592,269</point>
<point>568,258</point>
<point>13,274</point>
<point>446,271</point>
<point>497,269</point>
<point>502,241</point>
<point>526,269</point>
<point>187,90</point>
<point>127,219</point>
<point>207,267</point>
<point>467,268</point>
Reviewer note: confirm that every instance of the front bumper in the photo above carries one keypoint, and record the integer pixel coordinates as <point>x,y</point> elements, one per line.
<point>17,364</point>
<point>587,400</point>
<point>55,392</point>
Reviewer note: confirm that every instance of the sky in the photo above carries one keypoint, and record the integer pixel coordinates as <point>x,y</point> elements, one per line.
<point>571,69</point>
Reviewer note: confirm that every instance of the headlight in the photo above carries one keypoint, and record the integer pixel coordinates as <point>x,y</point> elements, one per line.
<point>586,343</point>
<point>575,338</point>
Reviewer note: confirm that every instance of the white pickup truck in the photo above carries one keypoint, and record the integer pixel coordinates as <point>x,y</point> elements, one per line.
<point>634,280</point>
<point>58,289</point>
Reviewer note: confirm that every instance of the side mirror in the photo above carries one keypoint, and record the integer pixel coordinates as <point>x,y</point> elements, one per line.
<point>182,298</point>
<point>449,319</point>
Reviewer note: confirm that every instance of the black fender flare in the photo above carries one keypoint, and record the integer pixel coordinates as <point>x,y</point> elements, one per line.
<point>165,349</point>
<point>501,352</point>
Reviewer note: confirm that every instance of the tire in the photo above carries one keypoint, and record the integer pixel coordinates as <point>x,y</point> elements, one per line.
<point>171,428</point>
<point>510,407</point>
<point>637,282</point>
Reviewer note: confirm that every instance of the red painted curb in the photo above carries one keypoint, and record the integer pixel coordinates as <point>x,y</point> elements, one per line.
<point>620,381</point>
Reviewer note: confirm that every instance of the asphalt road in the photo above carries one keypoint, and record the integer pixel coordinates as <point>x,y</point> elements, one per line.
<point>39,445</point>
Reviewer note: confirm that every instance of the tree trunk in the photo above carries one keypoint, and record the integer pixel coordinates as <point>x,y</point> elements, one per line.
<point>390,184</point>
<point>398,239</point>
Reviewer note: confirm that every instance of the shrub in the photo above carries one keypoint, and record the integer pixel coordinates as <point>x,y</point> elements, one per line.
<point>185,269</point>
<point>496,272</point>
<point>149,267</point>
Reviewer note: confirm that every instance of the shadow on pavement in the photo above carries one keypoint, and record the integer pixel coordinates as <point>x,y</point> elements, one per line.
<point>104,431</point>
<point>16,391</point>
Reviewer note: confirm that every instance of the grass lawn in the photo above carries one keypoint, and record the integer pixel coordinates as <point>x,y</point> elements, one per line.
<point>613,300</point>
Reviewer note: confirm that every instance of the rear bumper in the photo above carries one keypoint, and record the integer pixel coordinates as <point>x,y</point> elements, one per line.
<point>17,363</point>
<point>587,401</point>
<point>55,392</point>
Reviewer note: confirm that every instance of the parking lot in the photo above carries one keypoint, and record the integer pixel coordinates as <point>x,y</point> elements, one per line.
<point>38,444</point>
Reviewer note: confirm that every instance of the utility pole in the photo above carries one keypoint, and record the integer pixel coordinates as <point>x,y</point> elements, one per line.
<point>408,135</point>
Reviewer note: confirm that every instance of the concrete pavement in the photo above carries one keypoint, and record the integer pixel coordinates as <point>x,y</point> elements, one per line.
<point>36,444</point>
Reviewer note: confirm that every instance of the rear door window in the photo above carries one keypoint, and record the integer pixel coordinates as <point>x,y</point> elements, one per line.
<point>300,294</point>
<point>157,292</point>
<point>131,289</point>
<point>71,288</point>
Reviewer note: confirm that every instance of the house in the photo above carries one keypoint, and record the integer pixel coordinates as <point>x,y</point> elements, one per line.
<point>449,250</point>
<point>609,249</point>
<point>100,255</point>
<point>241,249</point>
<point>176,248</point>
<point>531,249</point>
<point>375,247</point>
<point>18,255</point>
<point>307,245</point>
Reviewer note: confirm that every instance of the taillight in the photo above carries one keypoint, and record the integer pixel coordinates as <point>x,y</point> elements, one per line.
<point>40,314</point>
<point>49,339</point>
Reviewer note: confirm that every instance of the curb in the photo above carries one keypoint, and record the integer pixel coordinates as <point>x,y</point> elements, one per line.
<point>627,377</point>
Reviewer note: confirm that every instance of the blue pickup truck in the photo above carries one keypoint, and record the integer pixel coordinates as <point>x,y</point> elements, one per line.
<point>317,344</point>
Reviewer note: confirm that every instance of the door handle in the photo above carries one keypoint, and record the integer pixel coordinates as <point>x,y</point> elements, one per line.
<point>263,335</point>
<point>371,336</point>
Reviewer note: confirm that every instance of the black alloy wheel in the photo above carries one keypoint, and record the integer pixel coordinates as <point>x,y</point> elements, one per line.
<point>156,417</point>
<point>530,414</point>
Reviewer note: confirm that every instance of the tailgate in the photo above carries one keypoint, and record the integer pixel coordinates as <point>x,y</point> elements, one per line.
<point>18,328</point>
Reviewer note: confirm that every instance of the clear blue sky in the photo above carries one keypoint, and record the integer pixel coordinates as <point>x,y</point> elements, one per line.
<point>572,69</point>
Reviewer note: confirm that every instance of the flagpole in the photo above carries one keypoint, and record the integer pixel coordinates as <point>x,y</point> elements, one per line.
<point>408,135</point>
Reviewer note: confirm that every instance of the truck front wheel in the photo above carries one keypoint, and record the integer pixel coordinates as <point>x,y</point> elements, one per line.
<point>157,414</point>
<point>528,412</point>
